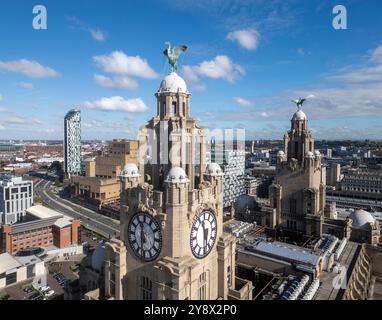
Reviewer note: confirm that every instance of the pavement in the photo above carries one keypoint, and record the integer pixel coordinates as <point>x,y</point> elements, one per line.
<point>90,219</point>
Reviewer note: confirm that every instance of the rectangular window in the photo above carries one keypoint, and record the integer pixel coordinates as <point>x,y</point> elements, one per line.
<point>146,288</point>
<point>203,286</point>
<point>174,109</point>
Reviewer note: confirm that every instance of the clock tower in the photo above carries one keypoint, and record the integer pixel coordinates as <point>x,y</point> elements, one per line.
<point>172,244</point>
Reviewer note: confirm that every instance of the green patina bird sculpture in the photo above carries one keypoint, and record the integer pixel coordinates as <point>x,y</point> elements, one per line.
<point>173,53</point>
<point>299,102</point>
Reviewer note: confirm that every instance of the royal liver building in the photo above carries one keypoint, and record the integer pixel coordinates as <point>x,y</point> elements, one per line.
<point>172,242</point>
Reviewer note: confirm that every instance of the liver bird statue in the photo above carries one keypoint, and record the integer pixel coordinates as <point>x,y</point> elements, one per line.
<point>299,102</point>
<point>173,53</point>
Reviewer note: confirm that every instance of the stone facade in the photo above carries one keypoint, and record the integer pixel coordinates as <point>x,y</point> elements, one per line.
<point>298,192</point>
<point>101,185</point>
<point>172,242</point>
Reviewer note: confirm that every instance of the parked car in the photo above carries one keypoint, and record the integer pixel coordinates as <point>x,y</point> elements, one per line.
<point>45,288</point>
<point>49,293</point>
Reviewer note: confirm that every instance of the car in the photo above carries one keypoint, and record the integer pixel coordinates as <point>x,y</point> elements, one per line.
<point>36,296</point>
<point>45,288</point>
<point>28,290</point>
<point>49,293</point>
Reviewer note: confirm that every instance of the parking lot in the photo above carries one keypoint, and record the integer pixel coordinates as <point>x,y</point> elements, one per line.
<point>25,291</point>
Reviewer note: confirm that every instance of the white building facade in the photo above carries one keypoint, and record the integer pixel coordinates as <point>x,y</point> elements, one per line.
<point>16,196</point>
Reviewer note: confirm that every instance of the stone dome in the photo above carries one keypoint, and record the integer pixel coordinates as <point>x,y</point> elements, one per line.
<point>98,257</point>
<point>173,83</point>
<point>245,201</point>
<point>176,174</point>
<point>309,155</point>
<point>130,170</point>
<point>361,218</point>
<point>299,115</point>
<point>281,153</point>
<point>317,153</point>
<point>214,169</point>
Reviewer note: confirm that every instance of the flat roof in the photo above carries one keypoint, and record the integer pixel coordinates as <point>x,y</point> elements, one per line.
<point>8,262</point>
<point>28,260</point>
<point>287,251</point>
<point>63,222</point>
<point>42,212</point>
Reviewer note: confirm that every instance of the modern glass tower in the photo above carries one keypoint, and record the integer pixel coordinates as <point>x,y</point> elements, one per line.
<point>72,142</point>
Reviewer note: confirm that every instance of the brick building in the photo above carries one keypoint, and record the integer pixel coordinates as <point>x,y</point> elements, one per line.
<point>41,228</point>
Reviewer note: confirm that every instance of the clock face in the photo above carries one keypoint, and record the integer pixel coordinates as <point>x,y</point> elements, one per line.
<point>145,236</point>
<point>203,234</point>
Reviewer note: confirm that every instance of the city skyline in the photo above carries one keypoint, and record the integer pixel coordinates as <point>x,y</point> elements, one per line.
<point>245,62</point>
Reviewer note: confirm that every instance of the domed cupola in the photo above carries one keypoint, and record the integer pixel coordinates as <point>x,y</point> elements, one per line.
<point>176,175</point>
<point>299,115</point>
<point>361,219</point>
<point>130,170</point>
<point>213,169</point>
<point>173,83</point>
<point>173,97</point>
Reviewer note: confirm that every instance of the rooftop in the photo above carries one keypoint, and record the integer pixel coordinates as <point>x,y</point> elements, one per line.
<point>42,212</point>
<point>286,251</point>
<point>8,262</point>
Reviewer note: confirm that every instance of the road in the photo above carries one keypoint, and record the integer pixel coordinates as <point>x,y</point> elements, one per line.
<point>90,219</point>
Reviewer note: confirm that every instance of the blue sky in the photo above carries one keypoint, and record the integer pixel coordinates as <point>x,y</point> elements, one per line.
<point>245,62</point>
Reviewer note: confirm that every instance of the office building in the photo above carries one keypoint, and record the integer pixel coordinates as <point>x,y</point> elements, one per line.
<point>41,228</point>
<point>233,165</point>
<point>16,196</point>
<point>100,185</point>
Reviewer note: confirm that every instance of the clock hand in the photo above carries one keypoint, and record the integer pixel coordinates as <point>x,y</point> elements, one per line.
<point>205,234</point>
<point>142,238</point>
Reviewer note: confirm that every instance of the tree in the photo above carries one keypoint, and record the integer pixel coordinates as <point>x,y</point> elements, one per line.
<point>56,165</point>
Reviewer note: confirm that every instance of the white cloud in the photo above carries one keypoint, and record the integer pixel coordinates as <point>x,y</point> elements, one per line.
<point>371,71</point>
<point>363,74</point>
<point>248,38</point>
<point>244,102</point>
<point>116,103</point>
<point>116,82</point>
<point>96,33</point>
<point>25,85</point>
<point>1,97</point>
<point>2,127</point>
<point>16,120</point>
<point>3,109</point>
<point>221,67</point>
<point>118,62</point>
<point>303,52</point>
<point>19,120</point>
<point>28,68</point>
<point>376,55</point>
